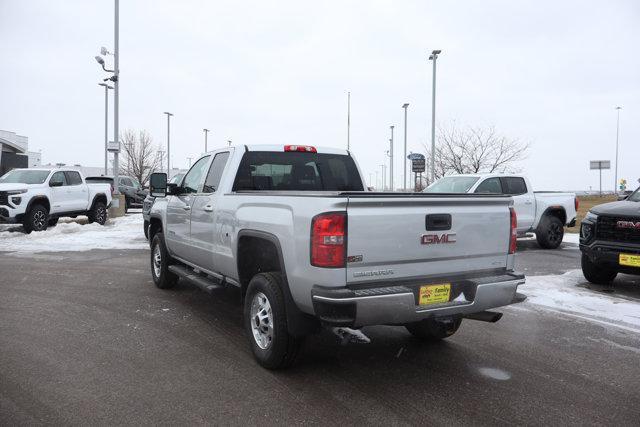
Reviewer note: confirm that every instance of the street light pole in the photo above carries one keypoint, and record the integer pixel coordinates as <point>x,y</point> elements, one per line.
<point>206,131</point>
<point>391,160</point>
<point>433,57</point>
<point>168,142</point>
<point>383,177</point>
<point>116,92</point>
<point>615,184</point>
<point>404,157</point>
<point>106,123</point>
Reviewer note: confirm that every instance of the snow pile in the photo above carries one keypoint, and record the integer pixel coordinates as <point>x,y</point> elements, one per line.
<point>569,293</point>
<point>77,235</point>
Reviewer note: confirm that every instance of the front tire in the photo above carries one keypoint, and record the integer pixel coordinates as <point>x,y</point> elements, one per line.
<point>36,219</point>
<point>597,274</point>
<point>98,213</point>
<point>432,330</point>
<point>550,232</point>
<point>265,322</point>
<point>160,261</point>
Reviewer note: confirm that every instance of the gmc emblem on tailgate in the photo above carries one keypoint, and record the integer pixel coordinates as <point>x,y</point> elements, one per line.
<point>628,224</point>
<point>436,239</point>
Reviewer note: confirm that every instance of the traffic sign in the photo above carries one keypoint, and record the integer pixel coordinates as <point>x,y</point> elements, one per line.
<point>415,156</point>
<point>418,165</point>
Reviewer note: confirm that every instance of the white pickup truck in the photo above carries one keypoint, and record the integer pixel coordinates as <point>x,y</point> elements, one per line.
<point>293,228</point>
<point>38,197</point>
<point>543,212</point>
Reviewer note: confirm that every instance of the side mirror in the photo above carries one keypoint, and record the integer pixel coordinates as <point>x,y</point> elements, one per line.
<point>55,184</point>
<point>173,189</point>
<point>158,185</point>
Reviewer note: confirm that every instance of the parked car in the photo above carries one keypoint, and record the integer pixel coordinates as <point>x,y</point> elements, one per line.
<point>292,227</point>
<point>148,202</point>
<point>544,212</point>
<point>610,240</point>
<point>38,197</point>
<point>134,194</point>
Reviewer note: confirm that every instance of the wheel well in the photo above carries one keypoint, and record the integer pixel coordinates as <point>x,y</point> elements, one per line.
<point>558,213</point>
<point>256,255</point>
<point>99,198</point>
<point>155,226</point>
<point>39,201</point>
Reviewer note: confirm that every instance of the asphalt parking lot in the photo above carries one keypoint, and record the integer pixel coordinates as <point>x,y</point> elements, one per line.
<point>86,338</point>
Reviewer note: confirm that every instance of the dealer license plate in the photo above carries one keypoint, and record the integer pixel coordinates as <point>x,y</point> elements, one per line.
<point>434,294</point>
<point>629,260</point>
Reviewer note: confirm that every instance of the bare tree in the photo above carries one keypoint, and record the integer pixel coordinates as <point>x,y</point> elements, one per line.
<point>141,158</point>
<point>475,150</point>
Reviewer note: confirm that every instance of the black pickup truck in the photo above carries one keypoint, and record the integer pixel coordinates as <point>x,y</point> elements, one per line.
<point>610,240</point>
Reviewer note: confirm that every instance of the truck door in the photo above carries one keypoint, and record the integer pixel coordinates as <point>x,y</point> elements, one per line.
<point>77,191</point>
<point>179,206</point>
<point>523,201</point>
<point>205,229</point>
<point>58,190</point>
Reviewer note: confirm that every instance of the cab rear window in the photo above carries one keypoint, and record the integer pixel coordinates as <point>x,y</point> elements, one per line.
<point>297,171</point>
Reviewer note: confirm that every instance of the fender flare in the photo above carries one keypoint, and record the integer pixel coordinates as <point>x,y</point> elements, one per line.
<point>298,322</point>
<point>548,212</point>
<point>36,199</point>
<point>93,202</point>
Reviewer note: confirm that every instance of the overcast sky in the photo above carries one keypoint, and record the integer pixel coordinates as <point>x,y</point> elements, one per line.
<point>547,72</point>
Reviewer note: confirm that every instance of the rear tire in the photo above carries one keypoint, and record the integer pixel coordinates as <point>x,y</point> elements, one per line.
<point>160,261</point>
<point>36,219</point>
<point>550,232</point>
<point>432,330</point>
<point>265,322</point>
<point>98,213</point>
<point>127,204</point>
<point>597,274</point>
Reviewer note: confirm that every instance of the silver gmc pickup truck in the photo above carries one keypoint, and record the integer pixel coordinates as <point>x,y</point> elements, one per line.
<point>294,229</point>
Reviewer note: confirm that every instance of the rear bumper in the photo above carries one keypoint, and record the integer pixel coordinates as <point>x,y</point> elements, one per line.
<point>396,305</point>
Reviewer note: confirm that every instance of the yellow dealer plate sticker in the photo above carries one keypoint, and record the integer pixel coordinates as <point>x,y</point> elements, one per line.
<point>434,294</point>
<point>629,260</point>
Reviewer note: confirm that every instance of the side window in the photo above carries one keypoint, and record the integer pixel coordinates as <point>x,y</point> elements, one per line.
<point>58,177</point>
<point>490,186</point>
<point>193,178</point>
<point>514,185</point>
<point>215,172</point>
<point>127,182</point>
<point>73,178</point>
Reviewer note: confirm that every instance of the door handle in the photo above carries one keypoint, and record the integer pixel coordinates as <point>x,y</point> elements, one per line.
<point>186,208</point>
<point>208,208</point>
<point>528,202</point>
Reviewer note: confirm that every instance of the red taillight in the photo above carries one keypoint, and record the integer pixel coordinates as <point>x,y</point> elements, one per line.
<point>577,203</point>
<point>302,148</point>
<point>513,239</point>
<point>329,240</point>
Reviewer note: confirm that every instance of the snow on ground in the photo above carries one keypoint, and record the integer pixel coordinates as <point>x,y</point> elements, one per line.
<point>571,238</point>
<point>77,235</point>
<point>570,293</point>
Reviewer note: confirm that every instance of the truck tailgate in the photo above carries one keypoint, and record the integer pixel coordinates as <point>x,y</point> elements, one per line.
<point>394,237</point>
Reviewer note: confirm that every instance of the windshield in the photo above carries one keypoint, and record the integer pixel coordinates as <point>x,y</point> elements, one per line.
<point>452,184</point>
<point>635,196</point>
<point>25,176</point>
<point>176,179</point>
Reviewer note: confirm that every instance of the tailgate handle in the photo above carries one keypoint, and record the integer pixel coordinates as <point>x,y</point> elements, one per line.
<point>438,222</point>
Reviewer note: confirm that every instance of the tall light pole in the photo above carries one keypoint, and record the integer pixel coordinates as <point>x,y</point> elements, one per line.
<point>383,176</point>
<point>615,186</point>
<point>348,120</point>
<point>161,152</point>
<point>391,159</point>
<point>106,123</point>
<point>377,187</point>
<point>404,157</point>
<point>206,131</point>
<point>168,142</point>
<point>433,57</point>
<point>116,91</point>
